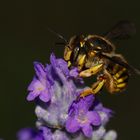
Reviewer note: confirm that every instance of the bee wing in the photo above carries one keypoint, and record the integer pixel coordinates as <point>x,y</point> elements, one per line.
<point>121,61</point>
<point>122,30</point>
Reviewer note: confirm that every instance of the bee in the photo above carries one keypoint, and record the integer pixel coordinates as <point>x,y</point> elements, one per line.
<point>95,55</point>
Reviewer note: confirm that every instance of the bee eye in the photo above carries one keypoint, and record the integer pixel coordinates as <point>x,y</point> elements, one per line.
<point>76,49</point>
<point>75,53</point>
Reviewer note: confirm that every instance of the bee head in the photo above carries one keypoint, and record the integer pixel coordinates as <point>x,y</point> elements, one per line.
<point>73,48</point>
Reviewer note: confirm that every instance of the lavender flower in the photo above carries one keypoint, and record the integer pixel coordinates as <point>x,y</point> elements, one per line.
<point>61,115</point>
<point>64,93</point>
<point>40,86</point>
<point>81,117</point>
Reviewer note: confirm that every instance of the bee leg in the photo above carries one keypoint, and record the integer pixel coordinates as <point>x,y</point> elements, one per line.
<point>96,87</point>
<point>86,92</point>
<point>115,69</point>
<point>91,71</point>
<point>119,73</point>
<point>120,80</point>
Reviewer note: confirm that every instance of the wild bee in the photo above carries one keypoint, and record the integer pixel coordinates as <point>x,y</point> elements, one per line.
<point>94,55</point>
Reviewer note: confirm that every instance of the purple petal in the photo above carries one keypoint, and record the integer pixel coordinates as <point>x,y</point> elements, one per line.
<point>36,85</point>
<point>35,88</point>
<point>108,111</point>
<point>32,95</point>
<point>89,100</point>
<point>29,134</point>
<point>40,70</point>
<point>85,103</point>
<point>94,118</point>
<point>87,130</point>
<point>49,74</point>
<point>25,134</point>
<point>72,125</point>
<point>46,132</point>
<point>80,106</point>
<point>53,60</point>
<point>63,66</point>
<point>59,63</point>
<point>74,72</point>
<point>45,96</point>
<point>98,106</point>
<point>31,87</point>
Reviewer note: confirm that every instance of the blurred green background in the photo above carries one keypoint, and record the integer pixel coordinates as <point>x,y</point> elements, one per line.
<point>24,39</point>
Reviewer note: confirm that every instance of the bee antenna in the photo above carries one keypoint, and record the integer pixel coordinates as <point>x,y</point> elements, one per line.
<point>57,34</point>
